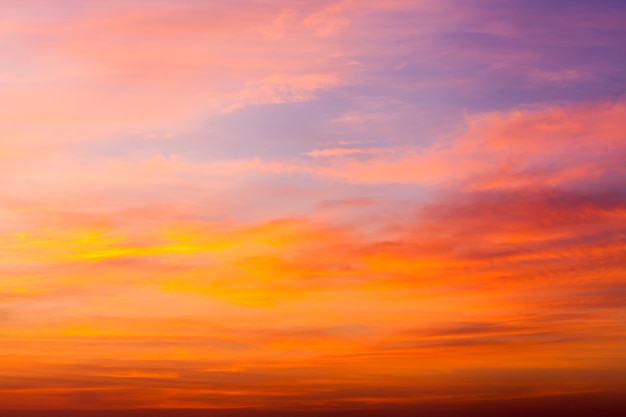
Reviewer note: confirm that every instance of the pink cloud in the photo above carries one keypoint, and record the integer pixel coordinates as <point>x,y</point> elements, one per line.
<point>554,145</point>
<point>342,151</point>
<point>120,68</point>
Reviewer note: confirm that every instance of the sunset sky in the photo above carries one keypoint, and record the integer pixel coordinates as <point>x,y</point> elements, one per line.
<point>312,205</point>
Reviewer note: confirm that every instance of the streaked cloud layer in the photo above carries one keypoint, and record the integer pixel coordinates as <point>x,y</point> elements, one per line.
<point>311,205</point>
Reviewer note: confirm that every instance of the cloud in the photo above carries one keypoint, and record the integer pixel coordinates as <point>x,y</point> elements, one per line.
<point>279,89</point>
<point>329,20</point>
<point>341,152</point>
<point>119,69</point>
<point>277,28</point>
<point>390,251</point>
<point>556,146</point>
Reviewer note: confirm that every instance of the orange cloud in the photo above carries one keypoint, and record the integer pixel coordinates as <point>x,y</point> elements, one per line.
<point>487,266</point>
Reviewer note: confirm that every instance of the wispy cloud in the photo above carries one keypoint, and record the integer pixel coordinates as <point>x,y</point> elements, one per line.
<point>311,205</point>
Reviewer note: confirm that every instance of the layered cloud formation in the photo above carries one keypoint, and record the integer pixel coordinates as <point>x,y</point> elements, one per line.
<point>311,204</point>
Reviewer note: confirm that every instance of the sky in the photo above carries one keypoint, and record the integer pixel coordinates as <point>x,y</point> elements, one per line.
<point>312,206</point>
